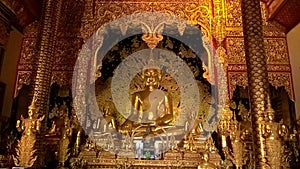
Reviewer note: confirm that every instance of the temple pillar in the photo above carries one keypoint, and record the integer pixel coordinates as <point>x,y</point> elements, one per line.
<point>257,75</point>
<point>44,62</point>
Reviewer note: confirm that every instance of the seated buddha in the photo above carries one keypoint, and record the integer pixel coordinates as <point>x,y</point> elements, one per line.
<point>205,164</point>
<point>151,107</point>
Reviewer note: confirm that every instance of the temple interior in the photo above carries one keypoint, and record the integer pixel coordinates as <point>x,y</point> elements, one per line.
<point>150,84</point>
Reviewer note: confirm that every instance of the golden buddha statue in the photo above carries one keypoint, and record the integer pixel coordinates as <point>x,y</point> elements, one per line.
<point>63,110</point>
<point>66,134</point>
<point>151,107</point>
<point>195,129</point>
<point>53,130</point>
<point>53,112</point>
<point>205,164</point>
<point>193,132</point>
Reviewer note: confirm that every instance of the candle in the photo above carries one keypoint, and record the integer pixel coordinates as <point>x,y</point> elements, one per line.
<point>223,141</point>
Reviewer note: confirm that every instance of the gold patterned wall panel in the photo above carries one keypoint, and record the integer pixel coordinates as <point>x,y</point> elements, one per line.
<point>62,78</point>
<point>271,68</point>
<point>234,13</point>
<point>234,21</point>
<point>233,18</point>
<point>23,78</point>
<point>66,53</point>
<point>235,51</point>
<point>276,51</point>
<point>278,79</point>
<point>236,79</point>
<point>270,28</point>
<point>66,49</point>
<point>27,53</point>
<point>279,68</point>
<point>277,59</point>
<point>70,21</point>
<point>197,12</point>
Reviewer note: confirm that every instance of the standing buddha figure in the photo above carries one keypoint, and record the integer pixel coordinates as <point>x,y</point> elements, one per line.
<point>66,133</point>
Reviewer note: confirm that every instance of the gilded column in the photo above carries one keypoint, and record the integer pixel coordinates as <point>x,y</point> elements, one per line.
<point>44,63</point>
<point>257,74</point>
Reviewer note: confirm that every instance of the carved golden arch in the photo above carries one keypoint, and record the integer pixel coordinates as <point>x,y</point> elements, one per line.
<point>158,28</point>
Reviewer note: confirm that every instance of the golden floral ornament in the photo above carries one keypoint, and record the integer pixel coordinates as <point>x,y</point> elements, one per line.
<point>152,39</point>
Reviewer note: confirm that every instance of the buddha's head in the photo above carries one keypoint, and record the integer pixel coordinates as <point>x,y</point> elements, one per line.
<point>152,76</point>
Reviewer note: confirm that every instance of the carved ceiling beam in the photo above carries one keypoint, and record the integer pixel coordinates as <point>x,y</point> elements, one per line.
<point>26,11</point>
<point>284,12</point>
<point>8,18</point>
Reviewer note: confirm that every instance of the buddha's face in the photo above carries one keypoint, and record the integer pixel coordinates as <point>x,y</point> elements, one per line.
<point>152,77</point>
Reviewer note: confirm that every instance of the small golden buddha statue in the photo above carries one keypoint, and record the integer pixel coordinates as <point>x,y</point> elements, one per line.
<point>196,128</point>
<point>66,134</point>
<point>205,164</point>
<point>53,129</point>
<point>53,112</point>
<point>151,107</point>
<point>272,130</point>
<point>89,145</point>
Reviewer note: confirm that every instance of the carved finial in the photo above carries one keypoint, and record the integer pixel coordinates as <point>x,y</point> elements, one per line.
<point>270,111</point>
<point>152,39</point>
